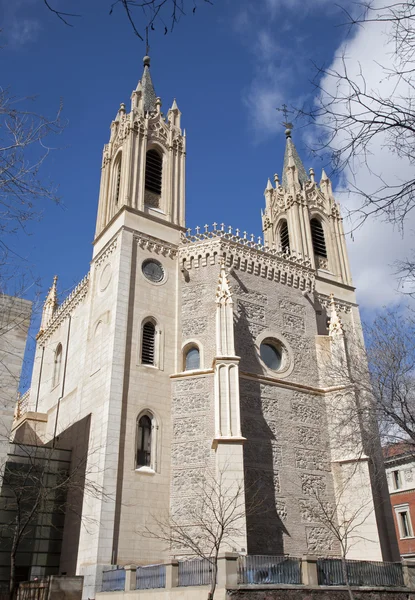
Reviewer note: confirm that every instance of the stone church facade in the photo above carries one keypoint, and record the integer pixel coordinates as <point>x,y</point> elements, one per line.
<point>205,351</point>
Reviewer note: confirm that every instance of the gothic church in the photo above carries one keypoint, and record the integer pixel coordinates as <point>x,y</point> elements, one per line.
<point>185,350</point>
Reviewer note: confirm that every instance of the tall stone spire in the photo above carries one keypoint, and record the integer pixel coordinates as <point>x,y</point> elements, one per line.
<point>50,305</point>
<point>147,88</point>
<point>292,159</point>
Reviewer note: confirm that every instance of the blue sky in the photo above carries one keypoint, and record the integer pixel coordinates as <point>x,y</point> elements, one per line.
<point>228,66</point>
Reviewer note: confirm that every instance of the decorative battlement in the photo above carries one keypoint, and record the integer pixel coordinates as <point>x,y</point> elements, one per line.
<point>67,306</point>
<point>22,404</point>
<point>246,254</point>
<point>247,240</point>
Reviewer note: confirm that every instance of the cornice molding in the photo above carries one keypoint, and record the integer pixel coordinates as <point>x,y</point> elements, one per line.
<point>340,305</point>
<point>291,270</point>
<point>152,244</point>
<point>65,309</point>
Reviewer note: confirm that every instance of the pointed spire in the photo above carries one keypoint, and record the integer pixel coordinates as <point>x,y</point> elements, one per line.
<point>174,105</point>
<point>50,304</point>
<point>174,114</point>
<point>335,324</point>
<point>291,158</point>
<point>269,186</point>
<point>223,291</point>
<point>149,95</point>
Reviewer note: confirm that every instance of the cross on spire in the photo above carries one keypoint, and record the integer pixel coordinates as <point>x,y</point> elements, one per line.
<point>284,109</point>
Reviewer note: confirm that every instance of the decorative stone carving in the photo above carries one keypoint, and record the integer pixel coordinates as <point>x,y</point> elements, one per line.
<point>185,479</point>
<point>306,411</point>
<point>297,342</point>
<point>409,475</point>
<point>313,485</point>
<point>293,322</point>
<point>193,403</point>
<point>250,295</point>
<point>281,507</point>
<point>313,460</point>
<point>340,305</point>
<point>155,245</point>
<point>255,329</point>
<point>308,437</point>
<point>194,385</point>
<point>262,482</point>
<point>319,540</point>
<point>270,408</point>
<point>263,453</point>
<point>189,453</point>
<point>188,428</point>
<point>106,253</point>
<point>105,278</point>
<point>252,312</point>
<point>193,327</point>
<point>292,307</point>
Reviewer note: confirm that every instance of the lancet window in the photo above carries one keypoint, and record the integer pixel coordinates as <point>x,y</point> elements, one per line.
<point>148,343</point>
<point>144,441</point>
<point>57,365</point>
<point>284,236</point>
<point>317,236</point>
<point>153,178</point>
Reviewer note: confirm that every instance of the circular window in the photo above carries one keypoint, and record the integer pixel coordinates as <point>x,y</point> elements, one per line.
<point>271,355</point>
<point>153,271</point>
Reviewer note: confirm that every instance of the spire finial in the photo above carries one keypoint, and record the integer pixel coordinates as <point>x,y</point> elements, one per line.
<point>146,61</point>
<point>288,126</point>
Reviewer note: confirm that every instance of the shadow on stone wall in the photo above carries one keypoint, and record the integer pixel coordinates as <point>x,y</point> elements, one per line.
<point>262,455</point>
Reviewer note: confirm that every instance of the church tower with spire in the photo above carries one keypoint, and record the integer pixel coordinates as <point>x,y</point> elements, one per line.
<point>302,216</point>
<point>195,360</point>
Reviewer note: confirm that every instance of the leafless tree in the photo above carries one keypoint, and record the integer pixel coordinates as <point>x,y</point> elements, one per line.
<point>212,520</point>
<point>37,488</point>
<point>344,517</point>
<point>142,15</point>
<point>356,116</point>
<point>24,147</point>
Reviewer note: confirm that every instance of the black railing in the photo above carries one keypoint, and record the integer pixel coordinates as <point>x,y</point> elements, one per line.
<point>334,571</point>
<point>269,569</point>
<point>113,580</point>
<point>150,577</point>
<point>195,572</point>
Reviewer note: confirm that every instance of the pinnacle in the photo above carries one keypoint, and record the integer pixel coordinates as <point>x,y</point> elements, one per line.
<point>149,95</point>
<point>292,158</point>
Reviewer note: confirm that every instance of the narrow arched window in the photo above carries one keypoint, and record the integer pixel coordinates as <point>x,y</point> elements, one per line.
<point>144,434</point>
<point>148,343</point>
<point>192,359</point>
<point>153,178</point>
<point>57,366</point>
<point>284,237</point>
<point>317,236</point>
<point>117,180</point>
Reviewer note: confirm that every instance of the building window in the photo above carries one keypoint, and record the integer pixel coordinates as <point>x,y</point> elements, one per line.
<point>57,366</point>
<point>317,236</point>
<point>192,359</point>
<point>148,343</point>
<point>404,521</point>
<point>144,441</point>
<point>396,480</point>
<point>153,178</point>
<point>117,182</point>
<point>271,354</point>
<point>284,236</point>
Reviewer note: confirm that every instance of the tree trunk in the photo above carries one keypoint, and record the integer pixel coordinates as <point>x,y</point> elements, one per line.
<point>213,579</point>
<point>12,586</point>
<point>346,578</point>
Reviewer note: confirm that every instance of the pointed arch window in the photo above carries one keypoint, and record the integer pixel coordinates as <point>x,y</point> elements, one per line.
<point>153,178</point>
<point>317,236</point>
<point>148,343</point>
<point>284,236</point>
<point>57,365</point>
<point>144,441</point>
<point>117,180</point>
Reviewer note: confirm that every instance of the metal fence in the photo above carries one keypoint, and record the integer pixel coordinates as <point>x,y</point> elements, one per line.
<point>113,580</point>
<point>331,571</point>
<point>150,577</point>
<point>269,569</point>
<point>195,572</point>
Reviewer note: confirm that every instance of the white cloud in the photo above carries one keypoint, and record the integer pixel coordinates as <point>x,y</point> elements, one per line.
<point>377,244</point>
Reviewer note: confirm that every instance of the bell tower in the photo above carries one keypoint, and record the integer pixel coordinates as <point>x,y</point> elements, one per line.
<point>302,216</point>
<point>143,164</point>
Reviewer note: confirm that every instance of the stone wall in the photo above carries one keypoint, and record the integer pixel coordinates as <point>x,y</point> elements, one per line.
<point>271,593</point>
